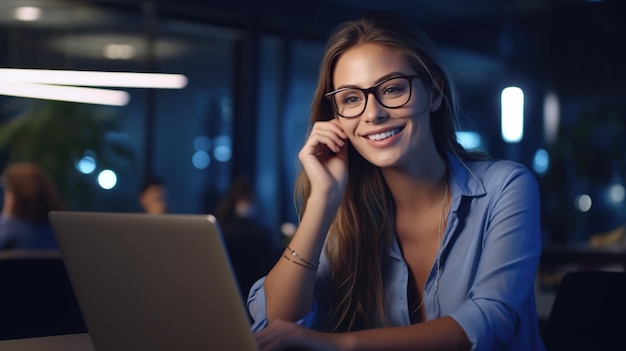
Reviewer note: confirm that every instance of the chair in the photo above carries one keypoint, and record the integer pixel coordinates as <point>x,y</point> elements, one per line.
<point>251,252</point>
<point>36,296</point>
<point>589,312</point>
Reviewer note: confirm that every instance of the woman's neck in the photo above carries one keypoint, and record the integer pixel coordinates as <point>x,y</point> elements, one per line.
<point>418,187</point>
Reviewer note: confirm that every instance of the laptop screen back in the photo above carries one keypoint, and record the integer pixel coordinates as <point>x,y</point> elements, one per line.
<point>153,282</point>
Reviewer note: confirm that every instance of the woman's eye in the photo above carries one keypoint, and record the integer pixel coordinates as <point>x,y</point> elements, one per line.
<point>390,90</point>
<point>350,100</point>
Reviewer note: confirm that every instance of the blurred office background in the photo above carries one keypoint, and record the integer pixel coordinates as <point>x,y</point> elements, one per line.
<point>251,68</point>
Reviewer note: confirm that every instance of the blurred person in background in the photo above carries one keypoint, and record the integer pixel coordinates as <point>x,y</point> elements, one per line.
<point>152,196</point>
<point>238,205</point>
<point>29,196</point>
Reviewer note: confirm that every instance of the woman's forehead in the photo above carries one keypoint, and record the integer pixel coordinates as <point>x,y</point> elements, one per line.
<point>363,65</point>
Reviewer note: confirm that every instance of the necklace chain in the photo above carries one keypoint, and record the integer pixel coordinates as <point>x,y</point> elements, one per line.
<point>437,261</point>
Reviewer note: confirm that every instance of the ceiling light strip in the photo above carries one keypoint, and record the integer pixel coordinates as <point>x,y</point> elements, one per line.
<point>94,78</point>
<point>65,93</point>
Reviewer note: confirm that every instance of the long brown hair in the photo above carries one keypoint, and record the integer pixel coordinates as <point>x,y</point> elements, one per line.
<point>362,231</point>
<point>34,195</point>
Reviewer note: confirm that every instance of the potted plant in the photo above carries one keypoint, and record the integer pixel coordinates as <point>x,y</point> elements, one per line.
<point>56,135</point>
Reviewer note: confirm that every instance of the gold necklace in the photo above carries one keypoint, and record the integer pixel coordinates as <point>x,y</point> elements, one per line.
<point>437,261</point>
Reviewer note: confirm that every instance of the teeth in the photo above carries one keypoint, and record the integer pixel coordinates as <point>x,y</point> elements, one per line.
<point>384,135</point>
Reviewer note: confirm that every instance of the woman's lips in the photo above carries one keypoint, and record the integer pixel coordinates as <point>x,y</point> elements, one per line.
<point>384,138</point>
<point>384,135</point>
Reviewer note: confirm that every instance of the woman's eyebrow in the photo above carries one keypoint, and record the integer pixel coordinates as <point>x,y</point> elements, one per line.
<point>386,76</point>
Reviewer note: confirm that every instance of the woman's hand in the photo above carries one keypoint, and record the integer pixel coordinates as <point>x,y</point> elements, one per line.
<point>325,158</point>
<point>282,335</point>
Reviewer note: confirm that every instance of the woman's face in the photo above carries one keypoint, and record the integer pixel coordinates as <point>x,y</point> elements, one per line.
<point>386,137</point>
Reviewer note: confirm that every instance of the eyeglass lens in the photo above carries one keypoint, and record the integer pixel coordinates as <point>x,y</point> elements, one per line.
<point>391,93</point>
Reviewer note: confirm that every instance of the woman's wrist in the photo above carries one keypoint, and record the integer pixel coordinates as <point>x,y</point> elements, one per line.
<point>328,201</point>
<point>340,341</point>
<point>346,341</point>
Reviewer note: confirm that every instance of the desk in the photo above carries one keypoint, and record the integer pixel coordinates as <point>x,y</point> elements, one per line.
<point>583,255</point>
<point>70,342</point>
<point>559,259</point>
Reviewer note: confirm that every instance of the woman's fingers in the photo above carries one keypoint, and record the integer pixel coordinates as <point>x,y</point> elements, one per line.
<point>326,133</point>
<point>282,335</point>
<point>276,336</point>
<point>324,157</point>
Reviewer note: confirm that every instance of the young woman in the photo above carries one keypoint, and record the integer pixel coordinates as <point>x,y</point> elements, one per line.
<point>406,241</point>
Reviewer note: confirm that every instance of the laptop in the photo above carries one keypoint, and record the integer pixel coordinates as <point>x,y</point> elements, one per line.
<point>153,282</point>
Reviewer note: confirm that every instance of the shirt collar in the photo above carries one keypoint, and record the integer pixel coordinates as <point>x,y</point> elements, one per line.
<point>462,182</point>
<point>462,179</point>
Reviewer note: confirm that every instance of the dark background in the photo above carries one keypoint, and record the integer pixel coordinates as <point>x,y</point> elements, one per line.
<point>252,67</point>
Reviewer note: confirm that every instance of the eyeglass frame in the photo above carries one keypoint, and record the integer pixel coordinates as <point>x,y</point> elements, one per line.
<point>372,90</point>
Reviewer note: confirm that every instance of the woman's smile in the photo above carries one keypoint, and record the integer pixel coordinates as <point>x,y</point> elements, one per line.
<point>377,136</point>
<point>383,138</point>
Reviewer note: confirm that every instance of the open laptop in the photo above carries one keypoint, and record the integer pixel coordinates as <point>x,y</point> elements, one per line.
<point>153,282</point>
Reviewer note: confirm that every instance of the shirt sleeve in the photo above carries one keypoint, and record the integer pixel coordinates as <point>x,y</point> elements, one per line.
<point>511,247</point>
<point>256,305</point>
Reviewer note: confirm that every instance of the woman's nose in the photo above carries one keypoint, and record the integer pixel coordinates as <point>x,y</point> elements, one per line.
<point>374,112</point>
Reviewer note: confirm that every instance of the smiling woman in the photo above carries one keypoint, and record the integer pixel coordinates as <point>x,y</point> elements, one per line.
<point>387,254</point>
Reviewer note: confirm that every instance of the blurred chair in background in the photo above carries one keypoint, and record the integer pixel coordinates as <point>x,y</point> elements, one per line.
<point>250,245</point>
<point>588,312</point>
<point>28,197</point>
<point>36,296</point>
<point>615,238</point>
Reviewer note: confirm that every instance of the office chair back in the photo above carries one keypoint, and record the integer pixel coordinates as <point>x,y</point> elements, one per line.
<point>36,297</point>
<point>589,312</point>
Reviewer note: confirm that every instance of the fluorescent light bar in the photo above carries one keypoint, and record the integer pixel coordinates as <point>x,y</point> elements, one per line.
<point>27,13</point>
<point>64,93</point>
<point>94,78</point>
<point>512,115</point>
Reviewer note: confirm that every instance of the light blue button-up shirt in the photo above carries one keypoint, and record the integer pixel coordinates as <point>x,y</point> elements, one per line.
<point>489,257</point>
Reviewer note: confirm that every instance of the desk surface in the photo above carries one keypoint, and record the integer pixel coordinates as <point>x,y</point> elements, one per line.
<point>583,253</point>
<point>583,256</point>
<point>70,342</point>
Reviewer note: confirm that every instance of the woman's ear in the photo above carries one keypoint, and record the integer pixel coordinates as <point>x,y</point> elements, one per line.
<point>437,94</point>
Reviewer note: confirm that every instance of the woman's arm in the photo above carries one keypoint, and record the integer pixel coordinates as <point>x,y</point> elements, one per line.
<point>289,286</point>
<point>439,334</point>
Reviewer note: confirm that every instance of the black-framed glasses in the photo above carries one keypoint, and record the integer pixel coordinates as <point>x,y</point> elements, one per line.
<point>393,92</point>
